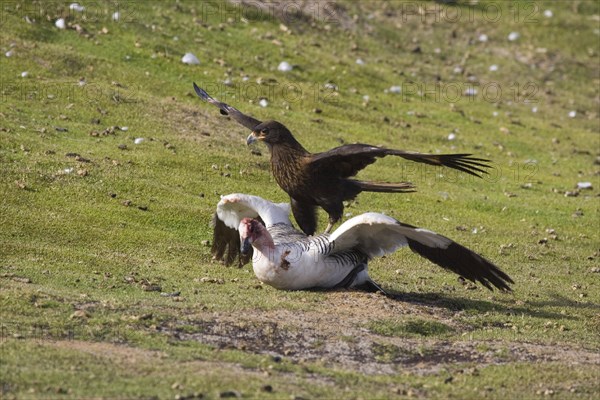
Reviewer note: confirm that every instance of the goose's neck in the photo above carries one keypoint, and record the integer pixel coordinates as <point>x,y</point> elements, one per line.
<point>264,243</point>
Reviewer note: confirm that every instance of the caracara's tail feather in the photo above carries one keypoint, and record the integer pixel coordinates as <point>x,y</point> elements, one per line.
<point>386,187</point>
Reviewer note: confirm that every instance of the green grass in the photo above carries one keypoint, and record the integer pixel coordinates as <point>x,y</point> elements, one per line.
<point>78,249</point>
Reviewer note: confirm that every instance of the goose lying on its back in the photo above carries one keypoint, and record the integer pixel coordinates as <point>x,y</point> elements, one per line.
<point>285,258</point>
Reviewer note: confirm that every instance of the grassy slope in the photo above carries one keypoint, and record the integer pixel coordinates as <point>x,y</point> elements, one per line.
<point>76,243</point>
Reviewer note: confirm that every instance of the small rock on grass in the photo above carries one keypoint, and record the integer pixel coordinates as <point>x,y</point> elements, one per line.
<point>584,185</point>
<point>80,314</point>
<point>190,58</point>
<point>230,394</point>
<point>206,279</point>
<point>151,288</point>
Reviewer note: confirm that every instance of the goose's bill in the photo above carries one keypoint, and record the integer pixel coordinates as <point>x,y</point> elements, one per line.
<point>246,246</point>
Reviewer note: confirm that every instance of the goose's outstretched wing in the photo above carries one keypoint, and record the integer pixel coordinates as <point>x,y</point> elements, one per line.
<point>226,220</point>
<point>237,206</point>
<point>377,234</point>
<point>226,244</point>
<point>226,109</point>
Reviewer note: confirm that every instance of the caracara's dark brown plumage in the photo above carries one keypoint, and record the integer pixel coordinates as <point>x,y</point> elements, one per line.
<point>323,179</point>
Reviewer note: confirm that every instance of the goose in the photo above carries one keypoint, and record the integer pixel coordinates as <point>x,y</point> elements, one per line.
<point>286,258</point>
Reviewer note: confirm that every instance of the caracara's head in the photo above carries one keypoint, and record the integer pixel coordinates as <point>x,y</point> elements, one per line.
<point>271,132</point>
<point>251,231</point>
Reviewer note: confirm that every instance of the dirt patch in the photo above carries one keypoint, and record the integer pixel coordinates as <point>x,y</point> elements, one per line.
<point>295,13</point>
<point>340,338</point>
<point>120,354</point>
<point>132,357</point>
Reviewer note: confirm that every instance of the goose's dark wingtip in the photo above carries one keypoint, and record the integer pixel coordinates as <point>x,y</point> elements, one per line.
<point>201,92</point>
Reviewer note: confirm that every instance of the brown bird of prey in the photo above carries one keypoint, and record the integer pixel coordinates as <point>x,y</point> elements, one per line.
<point>323,179</point>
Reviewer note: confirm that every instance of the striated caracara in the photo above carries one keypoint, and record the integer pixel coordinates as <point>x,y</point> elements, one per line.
<point>324,179</point>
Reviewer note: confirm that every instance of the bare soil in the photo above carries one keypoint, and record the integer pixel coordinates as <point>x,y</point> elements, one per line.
<point>338,337</point>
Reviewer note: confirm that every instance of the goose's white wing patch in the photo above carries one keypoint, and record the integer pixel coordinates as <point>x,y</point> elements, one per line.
<point>237,206</point>
<point>377,234</point>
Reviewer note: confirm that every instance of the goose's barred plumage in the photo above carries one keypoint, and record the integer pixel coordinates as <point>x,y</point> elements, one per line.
<point>288,259</point>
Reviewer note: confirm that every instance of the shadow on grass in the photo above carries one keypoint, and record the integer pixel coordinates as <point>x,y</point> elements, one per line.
<point>535,309</point>
<point>557,300</point>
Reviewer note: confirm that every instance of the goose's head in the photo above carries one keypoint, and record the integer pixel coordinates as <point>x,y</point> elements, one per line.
<point>252,232</point>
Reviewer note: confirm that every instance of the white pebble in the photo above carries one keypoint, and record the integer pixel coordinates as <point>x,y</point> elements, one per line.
<point>395,89</point>
<point>263,103</point>
<point>495,113</point>
<point>245,78</point>
<point>366,98</point>
<point>483,38</point>
<point>471,92</point>
<point>493,68</point>
<point>572,114</point>
<point>548,14</point>
<point>116,16</point>
<point>534,109</point>
<point>67,170</point>
<point>513,36</point>
<point>9,53</point>
<point>457,70</point>
<point>360,61</point>
<point>76,7</point>
<point>81,82</point>
<point>284,66</point>
<point>175,38</point>
<point>330,86</point>
<point>24,74</point>
<point>584,185</point>
<point>451,136</point>
<point>190,58</point>
<point>60,23</point>
<point>124,128</point>
<point>138,140</point>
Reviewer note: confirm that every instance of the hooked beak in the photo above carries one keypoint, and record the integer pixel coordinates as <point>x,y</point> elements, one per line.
<point>253,137</point>
<point>246,246</point>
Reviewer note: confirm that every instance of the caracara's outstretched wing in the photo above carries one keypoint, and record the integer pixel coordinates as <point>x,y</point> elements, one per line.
<point>349,159</point>
<point>226,109</point>
<point>230,211</point>
<point>377,234</point>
